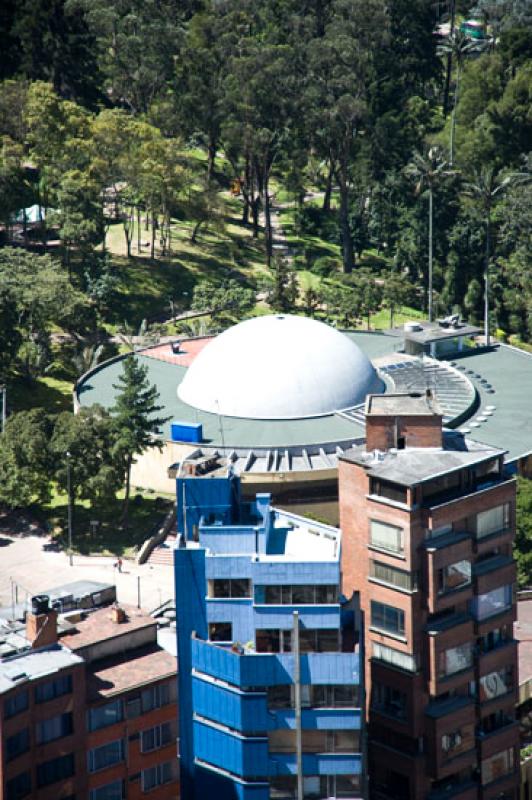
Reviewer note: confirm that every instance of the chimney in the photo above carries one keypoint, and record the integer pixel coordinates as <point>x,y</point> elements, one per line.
<point>41,622</point>
<point>118,614</point>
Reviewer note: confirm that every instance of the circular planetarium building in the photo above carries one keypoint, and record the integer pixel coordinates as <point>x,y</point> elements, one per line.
<point>281,397</point>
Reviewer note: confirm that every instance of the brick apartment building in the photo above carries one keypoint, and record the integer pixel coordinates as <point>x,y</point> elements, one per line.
<point>428,521</point>
<point>92,714</point>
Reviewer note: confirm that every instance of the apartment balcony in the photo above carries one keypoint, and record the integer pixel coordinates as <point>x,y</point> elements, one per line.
<point>504,737</point>
<point>493,572</point>
<point>441,553</point>
<point>270,669</point>
<point>465,495</point>
<point>464,790</point>
<point>227,749</point>
<point>317,718</point>
<point>498,657</point>
<point>451,652</point>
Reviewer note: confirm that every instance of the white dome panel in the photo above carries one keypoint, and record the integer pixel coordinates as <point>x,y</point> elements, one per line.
<point>279,367</point>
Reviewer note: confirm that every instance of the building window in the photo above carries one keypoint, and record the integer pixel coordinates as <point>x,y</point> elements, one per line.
<point>111,791</point>
<point>391,491</point>
<point>496,684</point>
<point>284,787</point>
<point>156,737</point>
<point>444,485</point>
<point>17,744</point>
<point>57,769</point>
<point>106,755</point>
<point>392,576</point>
<point>230,587</point>
<point>454,576</point>
<point>52,689</point>
<point>495,638</point>
<point>220,632</point>
<point>494,520</point>
<point>458,741</point>
<point>315,696</point>
<point>103,716</point>
<point>455,659</point>
<point>54,728</point>
<point>386,537</point>
<point>388,700</point>
<point>395,657</point>
<point>283,740</point>
<point>16,704</point>
<point>319,640</point>
<point>296,595</point>
<point>497,766</point>
<point>158,775</point>
<point>495,602</point>
<point>157,696</point>
<point>19,786</point>
<point>272,640</point>
<point>387,618</point>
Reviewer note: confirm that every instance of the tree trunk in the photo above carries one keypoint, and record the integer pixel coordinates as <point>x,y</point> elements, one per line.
<point>127,234</point>
<point>449,65</point>
<point>268,238</point>
<point>197,226</point>
<point>139,241</point>
<point>125,510</point>
<point>486,282</point>
<point>453,116</point>
<point>255,203</point>
<point>211,156</point>
<point>430,255</point>
<point>345,230</point>
<point>328,187</point>
<point>153,235</point>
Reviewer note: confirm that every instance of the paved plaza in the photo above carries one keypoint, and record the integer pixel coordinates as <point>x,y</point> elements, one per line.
<point>26,560</point>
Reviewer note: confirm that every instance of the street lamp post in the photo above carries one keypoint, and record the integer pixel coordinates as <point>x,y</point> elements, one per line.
<point>69,492</point>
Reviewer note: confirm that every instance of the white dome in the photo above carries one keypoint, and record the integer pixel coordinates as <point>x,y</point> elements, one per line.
<point>279,367</point>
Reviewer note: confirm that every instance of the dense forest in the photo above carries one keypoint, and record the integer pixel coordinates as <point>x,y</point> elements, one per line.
<point>335,157</point>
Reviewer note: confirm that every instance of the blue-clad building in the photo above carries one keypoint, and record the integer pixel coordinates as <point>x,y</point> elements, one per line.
<point>270,663</point>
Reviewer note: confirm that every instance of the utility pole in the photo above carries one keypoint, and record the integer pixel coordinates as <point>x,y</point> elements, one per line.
<point>297,706</point>
<point>3,388</point>
<point>69,505</point>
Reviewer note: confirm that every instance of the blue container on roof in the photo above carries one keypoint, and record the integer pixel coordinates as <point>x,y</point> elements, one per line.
<point>186,431</point>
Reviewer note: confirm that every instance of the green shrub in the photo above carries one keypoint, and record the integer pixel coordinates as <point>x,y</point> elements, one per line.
<point>325,266</point>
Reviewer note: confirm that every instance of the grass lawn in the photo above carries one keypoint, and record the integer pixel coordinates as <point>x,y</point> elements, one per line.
<point>146,513</point>
<point>52,393</point>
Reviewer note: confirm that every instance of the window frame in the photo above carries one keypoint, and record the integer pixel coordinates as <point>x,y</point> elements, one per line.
<point>398,549</point>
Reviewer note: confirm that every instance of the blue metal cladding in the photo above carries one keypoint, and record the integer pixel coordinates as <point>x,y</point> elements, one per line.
<point>270,669</point>
<point>317,718</point>
<point>212,784</point>
<point>228,566</point>
<point>246,712</point>
<point>216,495</point>
<point>243,756</point>
<point>309,616</point>
<point>295,572</point>
<point>232,539</point>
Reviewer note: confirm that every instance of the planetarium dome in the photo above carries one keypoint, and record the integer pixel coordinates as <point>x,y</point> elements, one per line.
<point>279,367</point>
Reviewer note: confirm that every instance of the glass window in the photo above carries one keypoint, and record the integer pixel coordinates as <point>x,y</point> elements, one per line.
<point>52,689</point>
<point>103,716</point>
<point>496,683</point>
<point>394,657</point>
<point>220,632</point>
<point>279,696</point>
<point>54,728</point>
<point>387,618</point>
<point>156,737</point>
<point>110,791</point>
<point>19,786</point>
<point>230,587</point>
<point>17,744</point>
<point>318,640</point>
<point>493,520</point>
<point>386,537</point>
<point>487,605</point>
<point>455,659</point>
<point>16,704</point>
<point>389,490</point>
<point>454,576</point>
<point>496,766</point>
<point>393,576</point>
<point>159,695</point>
<point>302,595</point>
<point>57,769</point>
<point>388,700</point>
<point>495,638</point>
<point>157,776</point>
<point>106,755</point>
<point>273,640</point>
<point>297,594</point>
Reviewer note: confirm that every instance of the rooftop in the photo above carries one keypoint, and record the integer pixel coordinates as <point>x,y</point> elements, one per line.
<point>99,626</point>
<point>436,332</point>
<point>414,465</point>
<point>117,674</point>
<point>35,664</point>
<point>404,404</point>
<point>302,539</point>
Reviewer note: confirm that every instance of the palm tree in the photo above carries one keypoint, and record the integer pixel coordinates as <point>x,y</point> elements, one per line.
<point>485,187</point>
<point>457,47</point>
<point>428,170</point>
